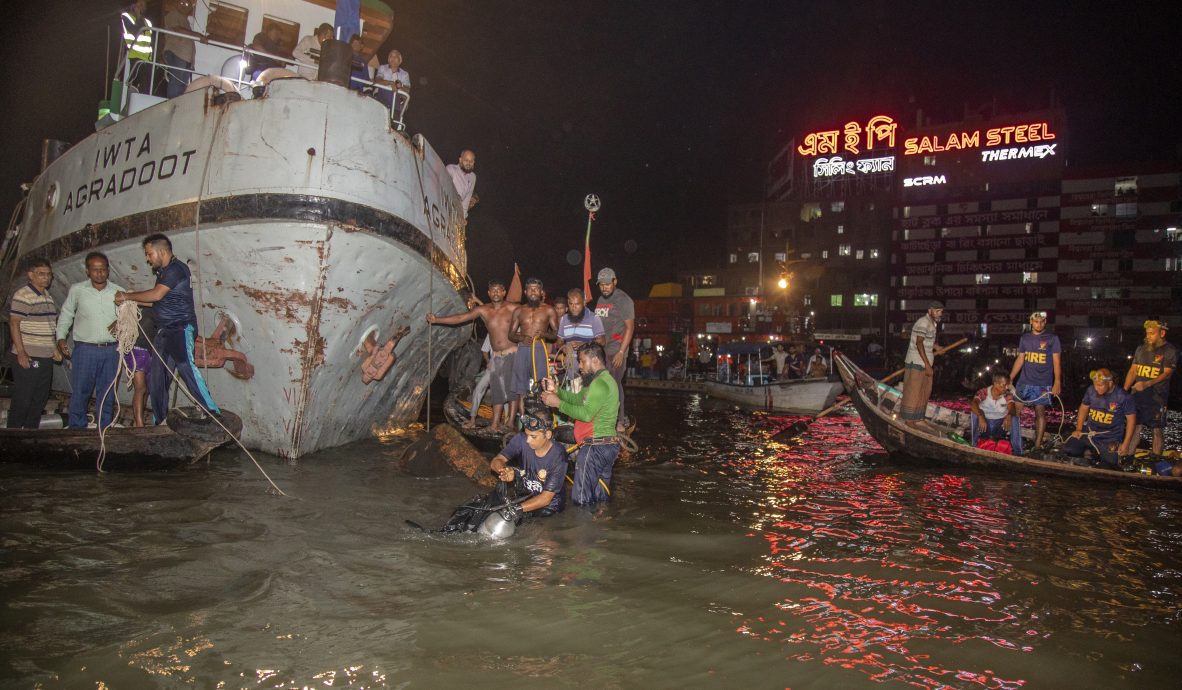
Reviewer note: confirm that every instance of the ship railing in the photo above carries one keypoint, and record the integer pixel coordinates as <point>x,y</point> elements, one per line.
<point>399,98</point>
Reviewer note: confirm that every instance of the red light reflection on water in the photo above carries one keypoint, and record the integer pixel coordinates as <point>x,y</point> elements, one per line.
<point>884,577</point>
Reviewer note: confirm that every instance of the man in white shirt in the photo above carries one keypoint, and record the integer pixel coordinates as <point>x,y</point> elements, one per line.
<point>398,79</point>
<point>464,178</point>
<point>307,51</point>
<point>919,368</point>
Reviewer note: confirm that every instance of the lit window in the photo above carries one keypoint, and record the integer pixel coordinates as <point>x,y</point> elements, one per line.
<point>824,253</point>
<point>906,211</point>
<point>808,300</point>
<point>806,255</point>
<point>982,278</point>
<point>835,300</point>
<point>837,206</point>
<point>734,258</point>
<point>929,160</point>
<point>1099,209</point>
<point>843,250</point>
<point>1125,185</point>
<point>840,229</point>
<point>781,256</point>
<point>752,257</point>
<point>1126,210</point>
<point>858,254</point>
<point>873,253</point>
<point>865,300</point>
<point>1029,277</point>
<point>1029,228</point>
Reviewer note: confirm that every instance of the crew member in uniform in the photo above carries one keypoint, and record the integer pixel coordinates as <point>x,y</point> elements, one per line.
<point>1039,361</point>
<point>594,410</point>
<point>1149,382</point>
<point>543,464</point>
<point>176,327</point>
<point>1104,423</point>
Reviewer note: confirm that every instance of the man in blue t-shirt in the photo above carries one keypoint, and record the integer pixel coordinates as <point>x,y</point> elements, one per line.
<point>1039,355</point>
<point>1104,423</point>
<point>543,465</point>
<point>176,326</point>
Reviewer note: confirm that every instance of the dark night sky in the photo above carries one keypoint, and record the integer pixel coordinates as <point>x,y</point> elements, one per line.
<point>670,111</point>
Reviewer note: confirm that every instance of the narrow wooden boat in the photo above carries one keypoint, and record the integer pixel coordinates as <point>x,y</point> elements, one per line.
<point>187,438</point>
<point>804,396</point>
<point>876,404</point>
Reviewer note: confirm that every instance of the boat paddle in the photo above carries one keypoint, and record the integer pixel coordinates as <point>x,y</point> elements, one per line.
<point>797,428</point>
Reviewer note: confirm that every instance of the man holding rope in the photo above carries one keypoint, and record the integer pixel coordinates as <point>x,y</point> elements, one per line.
<point>1105,422</point>
<point>1039,356</point>
<point>176,326</point>
<point>90,310</point>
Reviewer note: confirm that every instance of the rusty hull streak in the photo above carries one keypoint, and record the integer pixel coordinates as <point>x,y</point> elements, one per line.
<point>283,303</point>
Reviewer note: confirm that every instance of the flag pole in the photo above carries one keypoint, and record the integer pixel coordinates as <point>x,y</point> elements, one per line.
<point>592,204</point>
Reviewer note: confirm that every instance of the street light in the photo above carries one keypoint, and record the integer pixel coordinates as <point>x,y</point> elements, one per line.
<point>783,282</point>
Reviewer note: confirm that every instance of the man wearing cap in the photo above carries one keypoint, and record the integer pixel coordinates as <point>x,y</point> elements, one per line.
<point>919,368</point>
<point>1149,382</point>
<point>1104,424</point>
<point>616,310</point>
<point>1038,360</point>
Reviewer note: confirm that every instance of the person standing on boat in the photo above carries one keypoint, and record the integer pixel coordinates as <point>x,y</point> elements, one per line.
<point>543,465</point>
<point>178,50</point>
<point>32,324</point>
<point>532,325</point>
<point>919,368</point>
<point>1149,382</point>
<point>393,75</point>
<point>463,176</point>
<point>1039,358</point>
<point>137,46</point>
<point>780,362</point>
<point>497,315</point>
<point>994,417</point>
<point>618,313</point>
<point>1105,422</point>
<point>176,326</point>
<point>577,326</point>
<point>594,410</point>
<point>307,51</point>
<point>89,310</point>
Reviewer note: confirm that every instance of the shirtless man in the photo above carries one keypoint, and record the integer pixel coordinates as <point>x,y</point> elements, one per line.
<point>497,315</point>
<point>533,323</point>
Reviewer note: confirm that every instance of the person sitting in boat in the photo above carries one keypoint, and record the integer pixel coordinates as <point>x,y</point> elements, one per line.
<point>176,327</point>
<point>1104,424</point>
<point>994,417</point>
<point>1036,371</point>
<point>594,410</point>
<point>543,465</point>
<point>577,326</point>
<point>1148,380</point>
<point>89,311</point>
<point>818,365</point>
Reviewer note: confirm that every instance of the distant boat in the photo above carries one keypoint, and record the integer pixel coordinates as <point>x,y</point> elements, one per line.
<point>799,396</point>
<point>315,231</point>
<point>877,403</point>
<point>188,437</point>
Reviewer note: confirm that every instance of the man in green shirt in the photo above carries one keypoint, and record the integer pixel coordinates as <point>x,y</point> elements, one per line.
<point>90,310</point>
<point>594,410</point>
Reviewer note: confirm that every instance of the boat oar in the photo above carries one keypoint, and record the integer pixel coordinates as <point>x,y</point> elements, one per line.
<point>939,351</point>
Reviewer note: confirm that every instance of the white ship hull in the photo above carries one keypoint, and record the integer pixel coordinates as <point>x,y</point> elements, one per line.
<point>303,218</point>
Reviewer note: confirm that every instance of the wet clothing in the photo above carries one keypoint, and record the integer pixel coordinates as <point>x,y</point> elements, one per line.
<point>1033,395</point>
<point>538,474</point>
<point>596,403</point>
<point>593,473</point>
<point>526,368</point>
<point>1148,365</point>
<point>1037,351</point>
<point>175,346</point>
<point>500,367</point>
<point>175,309</point>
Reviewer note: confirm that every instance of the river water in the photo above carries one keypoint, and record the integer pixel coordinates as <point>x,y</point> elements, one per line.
<point>725,561</point>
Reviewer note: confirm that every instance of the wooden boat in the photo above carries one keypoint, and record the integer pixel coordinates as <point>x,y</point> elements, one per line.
<point>804,396</point>
<point>876,404</point>
<point>187,438</point>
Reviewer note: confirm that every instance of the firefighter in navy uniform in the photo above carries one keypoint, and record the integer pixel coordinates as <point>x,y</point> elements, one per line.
<point>1149,382</point>
<point>1104,424</point>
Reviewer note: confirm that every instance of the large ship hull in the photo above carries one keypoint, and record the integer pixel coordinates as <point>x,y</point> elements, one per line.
<point>306,222</point>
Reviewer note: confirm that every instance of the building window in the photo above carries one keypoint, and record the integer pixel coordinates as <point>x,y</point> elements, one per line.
<point>1173,234</point>
<point>906,211</point>
<point>781,256</point>
<point>858,254</point>
<point>1125,185</point>
<point>840,229</point>
<point>843,250</point>
<point>837,206</point>
<point>1029,276</point>
<point>982,278</point>
<point>1128,210</point>
<point>873,253</point>
<point>835,300</point>
<point>1099,209</point>
<point>865,300</point>
<point>806,255</point>
<point>226,23</point>
<point>752,257</point>
<point>824,253</point>
<point>929,160</point>
<point>708,280</point>
<point>810,211</point>
<point>734,258</point>
<point>808,300</point>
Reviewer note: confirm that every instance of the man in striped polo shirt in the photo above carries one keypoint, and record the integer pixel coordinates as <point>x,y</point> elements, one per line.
<point>577,326</point>
<point>32,323</point>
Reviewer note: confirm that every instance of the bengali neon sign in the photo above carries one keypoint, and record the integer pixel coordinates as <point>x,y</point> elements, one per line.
<point>878,131</point>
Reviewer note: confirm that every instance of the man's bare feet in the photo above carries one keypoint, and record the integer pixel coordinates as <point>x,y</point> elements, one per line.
<point>471,423</point>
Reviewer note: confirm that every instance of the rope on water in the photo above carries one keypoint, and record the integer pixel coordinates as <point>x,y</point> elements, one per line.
<point>127,330</point>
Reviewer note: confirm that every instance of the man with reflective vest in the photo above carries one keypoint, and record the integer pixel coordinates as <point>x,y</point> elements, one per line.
<point>594,410</point>
<point>137,46</point>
